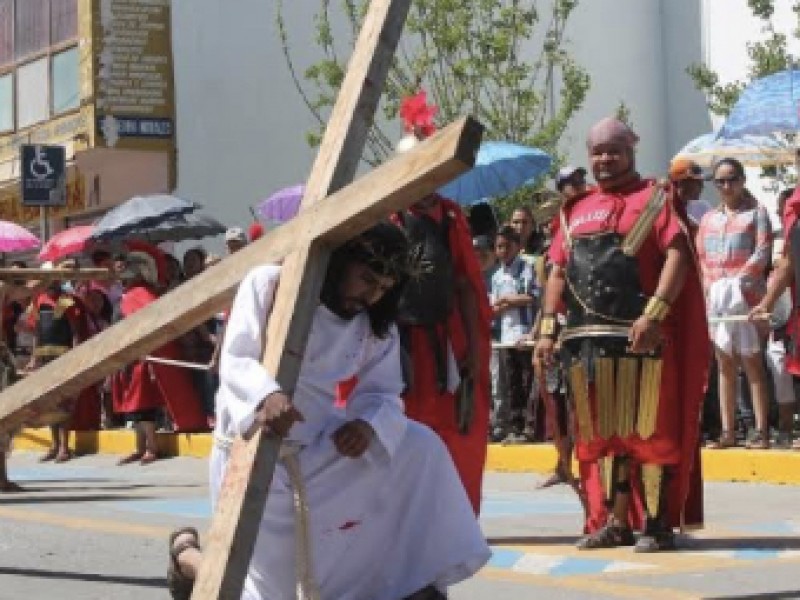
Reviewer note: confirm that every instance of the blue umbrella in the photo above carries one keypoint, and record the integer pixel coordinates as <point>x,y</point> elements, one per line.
<point>768,105</point>
<point>750,150</point>
<point>140,211</point>
<point>500,169</point>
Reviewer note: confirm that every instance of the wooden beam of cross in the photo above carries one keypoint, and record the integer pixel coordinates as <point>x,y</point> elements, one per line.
<point>251,464</point>
<point>391,187</point>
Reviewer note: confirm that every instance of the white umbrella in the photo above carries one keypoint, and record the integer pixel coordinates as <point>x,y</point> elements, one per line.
<point>750,150</point>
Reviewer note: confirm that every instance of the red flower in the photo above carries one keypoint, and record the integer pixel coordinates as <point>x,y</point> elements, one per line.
<point>418,115</point>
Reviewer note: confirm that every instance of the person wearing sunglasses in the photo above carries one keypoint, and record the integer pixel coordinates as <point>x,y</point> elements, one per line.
<point>734,245</point>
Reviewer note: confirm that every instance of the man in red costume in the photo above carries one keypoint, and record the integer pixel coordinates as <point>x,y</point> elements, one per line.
<point>140,390</point>
<point>623,265</point>
<point>444,324</point>
<point>55,317</point>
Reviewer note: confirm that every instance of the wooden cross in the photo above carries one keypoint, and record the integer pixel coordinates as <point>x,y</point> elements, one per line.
<point>305,242</point>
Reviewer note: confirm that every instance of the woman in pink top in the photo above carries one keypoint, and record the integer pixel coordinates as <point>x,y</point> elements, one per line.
<point>734,245</point>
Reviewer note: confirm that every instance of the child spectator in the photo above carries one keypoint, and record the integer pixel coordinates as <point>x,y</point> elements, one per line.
<point>514,298</point>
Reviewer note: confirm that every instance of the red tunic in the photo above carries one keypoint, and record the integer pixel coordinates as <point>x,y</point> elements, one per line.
<point>424,402</point>
<point>146,385</point>
<point>791,212</point>
<point>685,353</point>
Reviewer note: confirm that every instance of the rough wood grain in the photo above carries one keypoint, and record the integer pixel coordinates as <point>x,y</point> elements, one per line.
<point>235,526</point>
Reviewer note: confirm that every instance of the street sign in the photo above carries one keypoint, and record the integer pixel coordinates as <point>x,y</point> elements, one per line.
<point>43,175</point>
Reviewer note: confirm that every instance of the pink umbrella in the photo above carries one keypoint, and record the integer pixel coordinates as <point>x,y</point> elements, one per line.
<point>280,206</point>
<point>14,238</point>
<point>64,243</point>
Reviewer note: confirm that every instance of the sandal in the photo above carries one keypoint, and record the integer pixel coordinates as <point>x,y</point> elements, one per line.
<point>657,542</point>
<point>609,536</point>
<point>136,456</point>
<point>759,440</point>
<point>727,439</point>
<point>180,586</point>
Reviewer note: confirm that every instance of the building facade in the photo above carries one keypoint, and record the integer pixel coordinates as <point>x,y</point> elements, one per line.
<point>94,76</point>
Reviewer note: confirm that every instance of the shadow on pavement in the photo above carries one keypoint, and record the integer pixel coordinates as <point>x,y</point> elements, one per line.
<point>152,582</point>
<point>531,540</point>
<point>25,498</point>
<point>743,543</point>
<point>788,595</point>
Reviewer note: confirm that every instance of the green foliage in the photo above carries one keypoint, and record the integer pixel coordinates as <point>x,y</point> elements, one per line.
<point>766,57</point>
<point>469,57</point>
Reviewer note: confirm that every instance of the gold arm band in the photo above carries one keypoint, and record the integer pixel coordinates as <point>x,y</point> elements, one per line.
<point>547,326</point>
<point>656,309</point>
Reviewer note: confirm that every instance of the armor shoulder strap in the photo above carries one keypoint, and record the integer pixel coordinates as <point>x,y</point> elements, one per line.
<point>562,214</point>
<point>644,224</point>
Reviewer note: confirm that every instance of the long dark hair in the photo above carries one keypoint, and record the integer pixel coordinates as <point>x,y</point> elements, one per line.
<point>384,249</point>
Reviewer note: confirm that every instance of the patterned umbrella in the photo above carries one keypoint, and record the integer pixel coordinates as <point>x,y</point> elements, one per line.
<point>768,105</point>
<point>70,241</point>
<point>14,238</point>
<point>750,150</point>
<point>500,169</point>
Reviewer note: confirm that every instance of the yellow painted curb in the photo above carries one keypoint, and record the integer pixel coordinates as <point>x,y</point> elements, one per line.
<point>756,466</point>
<point>122,441</point>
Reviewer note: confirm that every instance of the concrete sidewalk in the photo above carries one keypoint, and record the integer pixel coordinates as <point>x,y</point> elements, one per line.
<point>755,466</point>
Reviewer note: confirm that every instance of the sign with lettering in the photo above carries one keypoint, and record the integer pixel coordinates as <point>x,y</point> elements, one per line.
<point>134,85</point>
<point>43,175</point>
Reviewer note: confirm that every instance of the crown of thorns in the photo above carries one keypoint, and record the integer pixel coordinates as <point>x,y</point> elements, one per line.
<point>394,263</point>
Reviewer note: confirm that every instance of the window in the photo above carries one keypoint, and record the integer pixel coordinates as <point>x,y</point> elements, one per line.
<point>32,27</point>
<point>66,81</point>
<point>39,61</point>
<point>6,32</point>
<point>6,103</point>
<point>63,21</point>
<point>33,95</point>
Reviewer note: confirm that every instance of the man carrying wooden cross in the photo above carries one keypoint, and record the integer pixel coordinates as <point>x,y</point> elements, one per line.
<point>364,503</point>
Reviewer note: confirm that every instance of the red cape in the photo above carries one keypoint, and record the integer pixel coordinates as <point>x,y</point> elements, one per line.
<point>150,385</point>
<point>791,212</point>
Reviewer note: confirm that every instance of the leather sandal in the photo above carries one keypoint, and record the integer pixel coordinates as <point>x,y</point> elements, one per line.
<point>180,586</point>
<point>609,536</point>
<point>727,439</point>
<point>657,542</point>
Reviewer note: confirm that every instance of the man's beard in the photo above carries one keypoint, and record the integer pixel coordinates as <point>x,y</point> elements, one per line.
<point>345,308</point>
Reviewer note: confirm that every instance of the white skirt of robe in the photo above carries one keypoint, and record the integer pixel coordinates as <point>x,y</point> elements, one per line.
<point>380,529</point>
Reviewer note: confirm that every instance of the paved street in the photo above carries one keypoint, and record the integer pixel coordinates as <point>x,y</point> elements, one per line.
<point>90,530</point>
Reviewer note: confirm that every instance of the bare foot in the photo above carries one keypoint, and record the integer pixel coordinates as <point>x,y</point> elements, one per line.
<point>149,457</point>
<point>63,457</point>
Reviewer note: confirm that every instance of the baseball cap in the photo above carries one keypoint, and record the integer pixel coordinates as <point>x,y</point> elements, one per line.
<point>235,234</point>
<point>565,173</point>
<point>682,168</point>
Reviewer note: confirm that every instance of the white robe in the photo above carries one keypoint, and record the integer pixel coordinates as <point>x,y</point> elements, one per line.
<point>382,526</point>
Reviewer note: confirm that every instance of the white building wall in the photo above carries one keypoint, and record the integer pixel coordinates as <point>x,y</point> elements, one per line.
<point>241,124</point>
